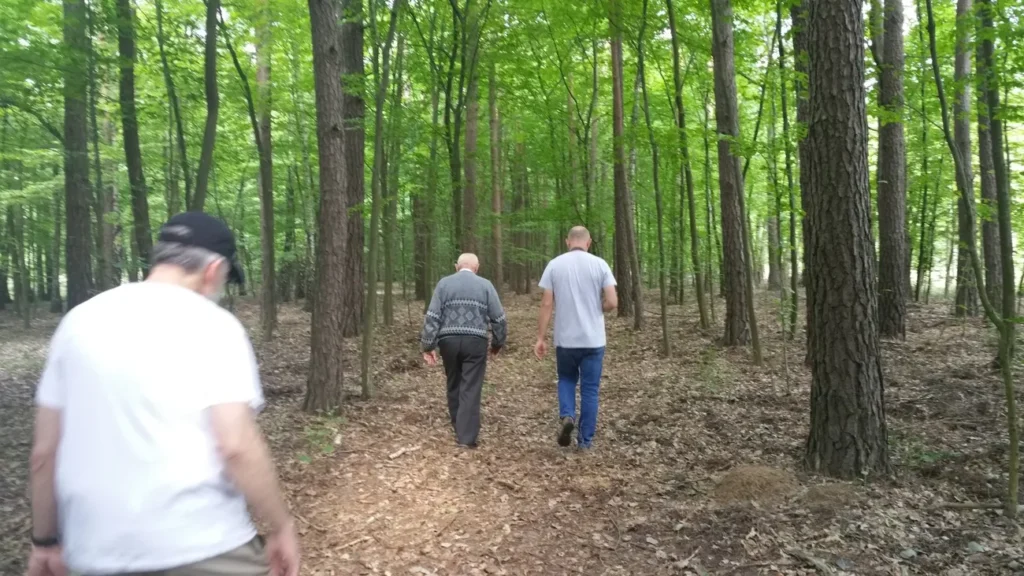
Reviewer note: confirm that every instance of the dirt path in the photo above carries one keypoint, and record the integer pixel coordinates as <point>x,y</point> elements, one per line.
<point>683,446</point>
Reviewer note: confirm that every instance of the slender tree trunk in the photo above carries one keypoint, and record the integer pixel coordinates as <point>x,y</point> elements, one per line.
<point>353,83</point>
<point>990,223</point>
<point>382,76</point>
<point>103,280</point>
<point>469,207</point>
<point>394,134</point>
<point>76,154</point>
<point>687,174</point>
<point>56,302</point>
<point>263,105</point>
<point>794,304</point>
<point>666,346</point>
<point>212,106</point>
<point>286,281</point>
<point>848,436</point>
<point>172,98</point>
<point>924,174</point>
<point>496,179</point>
<point>730,182</point>
<point>893,284</point>
<point>324,388</point>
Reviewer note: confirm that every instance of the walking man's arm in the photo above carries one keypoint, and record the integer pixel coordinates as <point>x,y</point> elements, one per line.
<point>547,306</point>
<point>611,297</point>
<point>499,323</point>
<point>431,327</point>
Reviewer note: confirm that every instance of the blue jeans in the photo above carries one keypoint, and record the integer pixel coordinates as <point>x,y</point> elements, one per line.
<point>581,365</point>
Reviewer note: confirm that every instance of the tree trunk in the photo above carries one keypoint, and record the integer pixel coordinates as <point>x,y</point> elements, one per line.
<point>921,253</point>
<point>212,106</point>
<point>172,99</point>
<point>798,16</point>
<point>102,272</point>
<point>666,346</point>
<point>287,280</point>
<point>353,81</point>
<point>496,179</point>
<point>324,389</point>
<point>268,300</point>
<point>848,435</point>
<point>382,76</point>
<point>76,155</point>
<point>687,175</point>
<point>391,201</point>
<point>469,208</point>
<point>730,179</point>
<point>893,283</point>
<point>989,224</point>
<point>130,132</point>
<point>56,302</point>
<point>626,265</point>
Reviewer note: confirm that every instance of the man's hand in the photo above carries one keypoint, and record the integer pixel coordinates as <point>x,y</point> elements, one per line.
<point>46,562</point>
<point>493,352</point>
<point>283,551</point>
<point>430,358</point>
<point>540,349</point>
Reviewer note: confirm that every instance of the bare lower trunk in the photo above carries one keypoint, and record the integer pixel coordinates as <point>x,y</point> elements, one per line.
<point>76,156</point>
<point>496,180</point>
<point>212,106</point>
<point>353,81</point>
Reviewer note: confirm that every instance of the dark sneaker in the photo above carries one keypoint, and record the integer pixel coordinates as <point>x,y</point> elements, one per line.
<point>565,431</point>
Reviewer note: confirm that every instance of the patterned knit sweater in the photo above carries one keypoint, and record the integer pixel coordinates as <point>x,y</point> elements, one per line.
<point>463,305</point>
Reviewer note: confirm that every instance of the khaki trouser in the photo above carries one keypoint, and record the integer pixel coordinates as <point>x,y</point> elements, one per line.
<point>246,560</point>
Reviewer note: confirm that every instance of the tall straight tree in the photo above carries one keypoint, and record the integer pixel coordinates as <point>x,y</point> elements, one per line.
<point>730,177</point>
<point>848,435</point>
<point>382,74</point>
<point>469,208</point>
<point>392,198</point>
<point>987,174</point>
<point>787,140</point>
<point>353,80</point>
<point>212,106</point>
<point>130,129</point>
<point>326,369</point>
<point>894,260</point>
<point>687,176</point>
<point>496,178</point>
<point>268,300</point>
<point>966,288</point>
<point>627,267</point>
<point>76,154</point>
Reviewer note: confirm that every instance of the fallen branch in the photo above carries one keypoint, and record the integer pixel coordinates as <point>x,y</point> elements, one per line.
<point>310,524</point>
<point>507,484</point>
<point>817,563</point>
<point>403,451</point>
<point>353,543</point>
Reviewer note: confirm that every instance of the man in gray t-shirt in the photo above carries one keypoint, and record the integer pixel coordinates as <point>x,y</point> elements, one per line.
<point>576,282</point>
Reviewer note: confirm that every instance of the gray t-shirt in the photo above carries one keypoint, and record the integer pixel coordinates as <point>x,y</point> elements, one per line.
<point>577,279</point>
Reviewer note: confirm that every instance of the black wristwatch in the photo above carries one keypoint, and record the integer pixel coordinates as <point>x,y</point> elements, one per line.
<point>45,542</point>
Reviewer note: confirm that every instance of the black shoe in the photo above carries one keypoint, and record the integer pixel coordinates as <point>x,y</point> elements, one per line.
<point>565,431</point>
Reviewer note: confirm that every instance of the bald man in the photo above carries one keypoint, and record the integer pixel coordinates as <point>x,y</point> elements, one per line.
<point>582,288</point>
<point>456,322</point>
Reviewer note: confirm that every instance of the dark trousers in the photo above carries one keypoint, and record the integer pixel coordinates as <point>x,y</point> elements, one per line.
<point>465,360</point>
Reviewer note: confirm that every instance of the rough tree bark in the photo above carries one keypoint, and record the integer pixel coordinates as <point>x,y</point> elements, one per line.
<point>730,179</point>
<point>893,283</point>
<point>986,171</point>
<point>353,79</point>
<point>324,387</point>
<point>268,297</point>
<point>966,287</point>
<point>76,155</point>
<point>848,435</point>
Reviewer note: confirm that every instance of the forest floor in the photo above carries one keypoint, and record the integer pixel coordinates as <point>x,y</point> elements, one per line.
<point>696,466</point>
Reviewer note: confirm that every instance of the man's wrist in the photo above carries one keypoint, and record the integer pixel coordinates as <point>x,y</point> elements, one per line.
<point>288,524</point>
<point>47,542</point>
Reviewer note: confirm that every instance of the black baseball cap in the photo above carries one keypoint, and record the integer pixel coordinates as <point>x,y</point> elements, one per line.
<point>201,230</point>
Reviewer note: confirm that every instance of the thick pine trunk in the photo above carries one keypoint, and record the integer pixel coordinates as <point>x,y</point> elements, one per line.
<point>354,128</point>
<point>847,430</point>
<point>76,155</point>
<point>894,259</point>
<point>324,388</point>
<point>496,181</point>
<point>730,179</point>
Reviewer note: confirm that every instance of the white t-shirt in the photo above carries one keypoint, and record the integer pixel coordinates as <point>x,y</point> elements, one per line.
<point>140,485</point>
<point>578,279</point>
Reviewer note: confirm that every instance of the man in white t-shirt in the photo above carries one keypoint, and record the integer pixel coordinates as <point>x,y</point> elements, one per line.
<point>582,288</point>
<point>147,452</point>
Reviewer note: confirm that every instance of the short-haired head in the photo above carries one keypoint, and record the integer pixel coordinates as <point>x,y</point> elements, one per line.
<point>468,261</point>
<point>198,269</point>
<point>579,237</point>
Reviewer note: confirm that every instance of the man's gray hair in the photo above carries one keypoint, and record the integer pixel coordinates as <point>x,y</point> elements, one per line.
<point>190,258</point>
